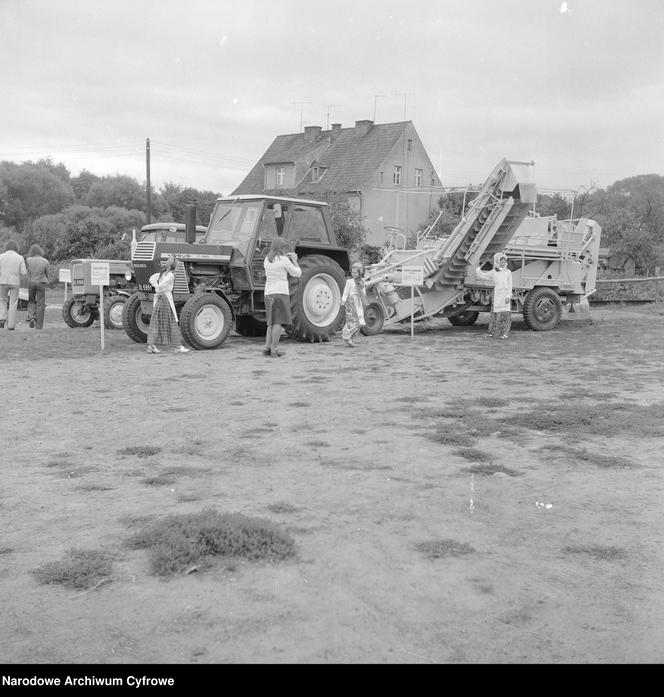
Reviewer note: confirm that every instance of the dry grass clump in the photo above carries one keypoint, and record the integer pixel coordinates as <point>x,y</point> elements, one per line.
<point>281,508</point>
<point>489,469</point>
<point>599,552</point>
<point>176,542</point>
<point>80,569</point>
<point>473,454</point>
<point>445,437</point>
<point>435,549</point>
<point>140,450</point>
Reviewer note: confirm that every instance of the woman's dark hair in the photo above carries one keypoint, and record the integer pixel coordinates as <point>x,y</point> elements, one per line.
<point>36,251</point>
<point>278,248</point>
<point>11,245</point>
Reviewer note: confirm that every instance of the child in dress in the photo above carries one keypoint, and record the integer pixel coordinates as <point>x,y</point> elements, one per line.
<point>164,328</point>
<point>354,299</point>
<point>501,308</point>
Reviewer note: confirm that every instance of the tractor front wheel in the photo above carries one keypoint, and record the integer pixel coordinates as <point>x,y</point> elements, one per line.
<point>542,309</point>
<point>77,314</point>
<point>134,322</point>
<point>113,307</point>
<point>205,321</point>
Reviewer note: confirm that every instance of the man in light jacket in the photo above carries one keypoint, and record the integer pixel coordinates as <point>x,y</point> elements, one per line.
<point>12,267</point>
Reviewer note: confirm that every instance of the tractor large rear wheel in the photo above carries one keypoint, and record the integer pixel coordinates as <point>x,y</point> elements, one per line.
<point>113,307</point>
<point>316,299</point>
<point>205,321</point>
<point>134,322</point>
<point>77,314</point>
<point>542,309</point>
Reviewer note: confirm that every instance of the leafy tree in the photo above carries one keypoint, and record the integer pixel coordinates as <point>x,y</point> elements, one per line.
<point>83,183</point>
<point>177,198</point>
<point>346,223</point>
<point>554,205</point>
<point>118,190</point>
<point>31,190</point>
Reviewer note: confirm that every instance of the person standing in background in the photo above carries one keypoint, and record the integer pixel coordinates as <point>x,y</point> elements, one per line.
<point>38,268</point>
<point>164,327</point>
<point>501,308</point>
<point>354,300</point>
<point>12,267</point>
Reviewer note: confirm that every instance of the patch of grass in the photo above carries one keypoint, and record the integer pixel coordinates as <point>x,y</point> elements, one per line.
<point>597,459</point>
<point>300,404</point>
<point>281,508</point>
<point>58,463</point>
<point>140,450</point>
<point>95,487</point>
<point>188,498</point>
<point>473,454</point>
<point>436,549</point>
<point>80,569</point>
<point>158,480</point>
<point>192,446</point>
<point>409,399</point>
<point>317,444</point>
<point>446,438</point>
<point>6,550</point>
<point>490,402</point>
<point>178,541</point>
<point>596,419</point>
<point>599,552</point>
<point>185,471</point>
<point>489,469</point>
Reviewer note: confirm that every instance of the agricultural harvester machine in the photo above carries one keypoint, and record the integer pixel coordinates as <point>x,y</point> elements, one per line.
<point>553,263</point>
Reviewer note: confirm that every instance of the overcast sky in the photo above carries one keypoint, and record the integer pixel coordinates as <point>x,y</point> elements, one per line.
<point>576,86</point>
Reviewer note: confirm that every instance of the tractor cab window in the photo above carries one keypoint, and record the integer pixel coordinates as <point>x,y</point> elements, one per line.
<point>273,223</point>
<point>233,224</point>
<point>308,225</point>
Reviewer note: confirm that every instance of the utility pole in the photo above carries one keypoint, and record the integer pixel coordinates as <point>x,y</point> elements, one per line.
<point>376,97</point>
<point>329,106</point>
<point>148,188</point>
<point>300,104</point>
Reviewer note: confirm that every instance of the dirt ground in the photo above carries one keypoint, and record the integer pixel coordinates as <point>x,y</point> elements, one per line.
<point>443,507</point>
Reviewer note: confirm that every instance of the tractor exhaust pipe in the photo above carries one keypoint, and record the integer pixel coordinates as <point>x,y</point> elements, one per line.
<point>190,223</point>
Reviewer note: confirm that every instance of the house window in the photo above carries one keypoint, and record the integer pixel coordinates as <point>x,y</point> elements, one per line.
<point>380,177</point>
<point>418,177</point>
<point>281,176</point>
<point>410,145</point>
<point>396,176</point>
<point>433,178</point>
<point>315,174</point>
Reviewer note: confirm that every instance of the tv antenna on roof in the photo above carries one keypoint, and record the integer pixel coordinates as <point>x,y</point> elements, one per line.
<point>376,98</point>
<point>329,106</point>
<point>301,105</point>
<point>405,96</point>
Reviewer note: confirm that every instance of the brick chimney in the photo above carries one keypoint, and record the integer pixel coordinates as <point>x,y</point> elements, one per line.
<point>336,129</point>
<point>363,127</point>
<point>311,133</point>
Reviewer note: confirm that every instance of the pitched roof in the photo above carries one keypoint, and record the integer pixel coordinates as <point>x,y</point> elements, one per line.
<point>352,157</point>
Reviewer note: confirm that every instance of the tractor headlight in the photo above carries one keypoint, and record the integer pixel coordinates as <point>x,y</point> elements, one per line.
<point>128,275</point>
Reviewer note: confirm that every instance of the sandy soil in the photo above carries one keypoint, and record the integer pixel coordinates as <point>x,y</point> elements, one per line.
<point>564,557</point>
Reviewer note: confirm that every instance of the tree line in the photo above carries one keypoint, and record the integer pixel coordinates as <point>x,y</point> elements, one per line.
<point>87,215</point>
<point>90,216</point>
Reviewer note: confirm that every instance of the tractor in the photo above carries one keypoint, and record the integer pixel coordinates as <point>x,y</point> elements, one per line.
<point>219,280</point>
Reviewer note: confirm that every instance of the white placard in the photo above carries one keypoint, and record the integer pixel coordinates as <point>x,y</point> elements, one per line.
<point>412,275</point>
<point>64,275</point>
<point>99,273</point>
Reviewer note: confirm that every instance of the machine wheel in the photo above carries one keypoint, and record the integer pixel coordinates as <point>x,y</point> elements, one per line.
<point>134,322</point>
<point>250,326</point>
<point>113,307</point>
<point>542,309</point>
<point>205,321</point>
<point>77,314</point>
<point>316,299</point>
<point>374,316</point>
<point>464,319</point>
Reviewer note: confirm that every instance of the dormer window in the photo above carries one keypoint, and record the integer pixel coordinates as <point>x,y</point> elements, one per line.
<point>315,174</point>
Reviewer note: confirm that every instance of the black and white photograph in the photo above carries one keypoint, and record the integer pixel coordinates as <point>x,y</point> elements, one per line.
<point>331,333</point>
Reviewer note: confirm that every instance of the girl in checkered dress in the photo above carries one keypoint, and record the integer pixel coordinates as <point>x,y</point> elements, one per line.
<point>164,328</point>
<point>354,299</point>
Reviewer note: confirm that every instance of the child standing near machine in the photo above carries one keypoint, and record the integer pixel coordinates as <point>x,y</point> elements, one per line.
<point>501,307</point>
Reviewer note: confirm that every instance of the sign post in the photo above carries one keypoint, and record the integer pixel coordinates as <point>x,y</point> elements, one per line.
<point>99,276</point>
<point>412,276</point>
<point>64,276</point>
